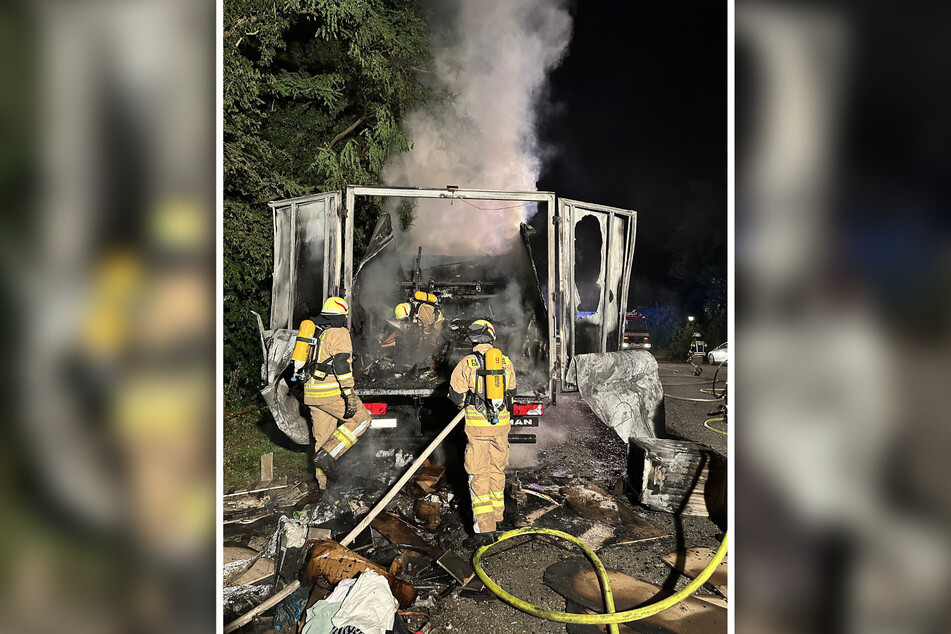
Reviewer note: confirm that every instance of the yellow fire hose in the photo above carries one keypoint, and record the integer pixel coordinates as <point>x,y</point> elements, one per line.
<point>610,618</point>
<point>718,419</point>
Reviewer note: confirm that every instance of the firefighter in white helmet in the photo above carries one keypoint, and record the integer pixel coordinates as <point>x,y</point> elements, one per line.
<point>484,384</point>
<point>328,392</point>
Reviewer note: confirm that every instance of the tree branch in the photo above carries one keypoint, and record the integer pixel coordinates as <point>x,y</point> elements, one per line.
<point>347,131</point>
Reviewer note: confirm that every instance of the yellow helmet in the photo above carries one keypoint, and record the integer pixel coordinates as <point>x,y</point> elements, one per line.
<point>402,310</point>
<point>481,331</point>
<point>335,306</point>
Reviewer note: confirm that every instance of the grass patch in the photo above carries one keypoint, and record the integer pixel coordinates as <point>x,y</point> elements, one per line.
<point>245,440</point>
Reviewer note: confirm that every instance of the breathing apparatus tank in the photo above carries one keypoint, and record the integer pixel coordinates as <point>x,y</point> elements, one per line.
<point>305,339</point>
<point>494,376</point>
<point>421,296</point>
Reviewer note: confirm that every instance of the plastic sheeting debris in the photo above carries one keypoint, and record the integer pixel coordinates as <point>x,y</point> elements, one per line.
<point>623,389</point>
<point>284,405</point>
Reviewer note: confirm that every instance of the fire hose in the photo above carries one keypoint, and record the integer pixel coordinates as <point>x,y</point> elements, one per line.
<point>610,618</point>
<point>716,419</point>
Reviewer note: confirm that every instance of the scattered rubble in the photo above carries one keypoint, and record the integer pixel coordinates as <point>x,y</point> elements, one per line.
<point>291,547</point>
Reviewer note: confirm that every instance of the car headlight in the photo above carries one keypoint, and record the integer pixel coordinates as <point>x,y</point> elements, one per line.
<point>647,346</point>
<point>625,346</point>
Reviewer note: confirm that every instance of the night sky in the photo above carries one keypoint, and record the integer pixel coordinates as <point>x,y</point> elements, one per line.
<point>636,117</point>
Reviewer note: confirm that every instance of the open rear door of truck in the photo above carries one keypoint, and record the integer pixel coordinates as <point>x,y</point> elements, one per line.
<point>310,249</point>
<point>595,255</point>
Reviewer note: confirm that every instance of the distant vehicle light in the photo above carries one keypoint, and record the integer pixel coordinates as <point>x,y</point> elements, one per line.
<point>647,346</point>
<point>528,409</point>
<point>377,409</point>
<point>625,346</point>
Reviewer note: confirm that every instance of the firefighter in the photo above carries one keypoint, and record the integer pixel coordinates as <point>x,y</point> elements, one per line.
<point>472,386</point>
<point>698,350</point>
<point>328,392</point>
<point>420,311</point>
<point>425,320</point>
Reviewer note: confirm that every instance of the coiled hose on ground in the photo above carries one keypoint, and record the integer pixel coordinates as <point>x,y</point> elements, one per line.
<point>610,618</point>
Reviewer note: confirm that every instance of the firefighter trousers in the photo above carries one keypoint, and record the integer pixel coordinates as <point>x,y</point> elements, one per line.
<point>336,438</point>
<point>487,455</point>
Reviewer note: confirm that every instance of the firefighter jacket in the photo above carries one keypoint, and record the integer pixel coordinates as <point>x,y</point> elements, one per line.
<point>427,314</point>
<point>466,386</point>
<point>333,371</point>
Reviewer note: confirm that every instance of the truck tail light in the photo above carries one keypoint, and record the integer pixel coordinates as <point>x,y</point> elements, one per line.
<point>528,409</point>
<point>377,409</point>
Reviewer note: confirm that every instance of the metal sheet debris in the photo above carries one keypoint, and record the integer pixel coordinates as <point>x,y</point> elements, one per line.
<point>460,569</point>
<point>623,389</point>
<point>284,405</point>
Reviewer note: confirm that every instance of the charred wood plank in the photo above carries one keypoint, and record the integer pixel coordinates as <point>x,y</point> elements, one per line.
<point>678,477</point>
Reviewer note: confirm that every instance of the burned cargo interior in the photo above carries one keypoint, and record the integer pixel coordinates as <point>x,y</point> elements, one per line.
<point>470,255</point>
<point>470,276</point>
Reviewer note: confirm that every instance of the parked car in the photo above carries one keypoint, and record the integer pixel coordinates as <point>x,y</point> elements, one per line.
<point>719,354</point>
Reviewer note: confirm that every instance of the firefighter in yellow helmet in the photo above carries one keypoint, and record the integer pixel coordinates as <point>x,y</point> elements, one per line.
<point>425,321</point>
<point>328,392</point>
<point>488,423</point>
<point>422,312</point>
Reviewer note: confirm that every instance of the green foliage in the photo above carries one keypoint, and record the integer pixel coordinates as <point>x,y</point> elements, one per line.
<point>663,323</point>
<point>700,267</point>
<point>405,211</point>
<point>314,91</point>
<point>715,311</point>
<point>246,439</point>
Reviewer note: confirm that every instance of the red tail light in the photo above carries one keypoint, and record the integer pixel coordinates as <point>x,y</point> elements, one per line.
<point>377,409</point>
<point>528,409</point>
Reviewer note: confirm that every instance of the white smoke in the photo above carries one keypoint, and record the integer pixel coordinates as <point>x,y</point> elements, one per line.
<point>495,62</point>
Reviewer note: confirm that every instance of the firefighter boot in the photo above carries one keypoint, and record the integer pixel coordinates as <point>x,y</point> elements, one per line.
<point>321,478</point>
<point>325,465</point>
<point>480,539</point>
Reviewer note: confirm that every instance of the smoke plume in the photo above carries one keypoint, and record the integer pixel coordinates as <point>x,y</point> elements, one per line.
<point>493,56</point>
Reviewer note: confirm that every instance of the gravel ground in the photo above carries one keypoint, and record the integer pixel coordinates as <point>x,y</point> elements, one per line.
<point>684,419</point>
<point>572,440</point>
<point>573,448</point>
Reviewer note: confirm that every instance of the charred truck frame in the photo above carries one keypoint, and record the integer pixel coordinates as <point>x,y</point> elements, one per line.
<point>552,295</point>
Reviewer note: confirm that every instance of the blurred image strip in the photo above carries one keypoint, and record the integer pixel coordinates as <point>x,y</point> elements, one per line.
<point>843,329</point>
<point>107,172</point>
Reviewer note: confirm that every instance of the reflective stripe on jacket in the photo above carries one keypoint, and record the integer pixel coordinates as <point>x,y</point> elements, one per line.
<point>336,349</point>
<point>465,379</point>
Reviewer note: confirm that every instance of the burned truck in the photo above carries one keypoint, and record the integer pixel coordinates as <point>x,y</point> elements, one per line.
<point>551,274</point>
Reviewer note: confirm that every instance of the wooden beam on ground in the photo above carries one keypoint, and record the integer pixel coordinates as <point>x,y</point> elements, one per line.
<point>267,467</point>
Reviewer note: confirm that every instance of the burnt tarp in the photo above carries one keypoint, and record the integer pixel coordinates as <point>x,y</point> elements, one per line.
<point>623,389</point>
<point>284,405</point>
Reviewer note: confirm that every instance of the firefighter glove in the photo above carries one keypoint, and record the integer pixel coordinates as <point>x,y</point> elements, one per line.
<point>457,398</point>
<point>351,400</point>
